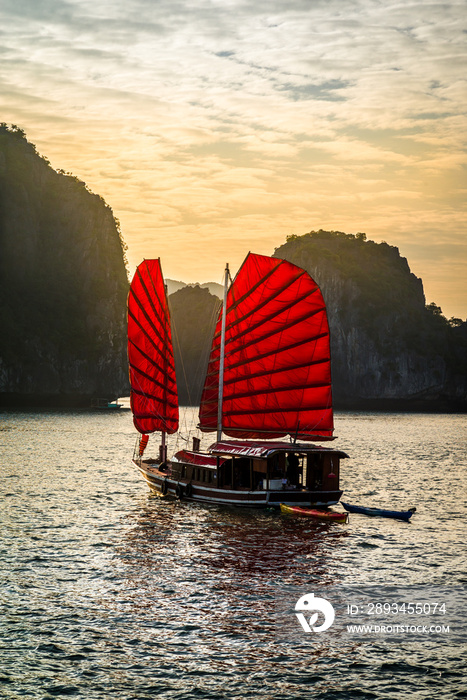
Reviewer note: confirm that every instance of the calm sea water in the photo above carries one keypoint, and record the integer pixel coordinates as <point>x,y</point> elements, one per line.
<point>109,592</point>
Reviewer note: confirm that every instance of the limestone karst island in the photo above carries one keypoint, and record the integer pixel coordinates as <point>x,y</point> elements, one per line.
<point>64,285</point>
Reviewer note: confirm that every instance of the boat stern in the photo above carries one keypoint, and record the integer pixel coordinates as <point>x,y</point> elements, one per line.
<point>304,499</point>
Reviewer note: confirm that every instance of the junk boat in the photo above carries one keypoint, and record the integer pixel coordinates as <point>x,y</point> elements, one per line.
<point>268,378</point>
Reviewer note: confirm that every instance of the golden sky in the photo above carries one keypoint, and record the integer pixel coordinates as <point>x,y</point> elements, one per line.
<point>216,127</point>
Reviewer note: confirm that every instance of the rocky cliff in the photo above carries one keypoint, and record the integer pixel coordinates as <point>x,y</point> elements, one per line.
<point>388,348</point>
<point>194,312</point>
<point>63,285</point>
<point>63,289</point>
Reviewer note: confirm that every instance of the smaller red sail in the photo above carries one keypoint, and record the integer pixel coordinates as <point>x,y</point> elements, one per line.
<point>154,398</point>
<point>277,368</point>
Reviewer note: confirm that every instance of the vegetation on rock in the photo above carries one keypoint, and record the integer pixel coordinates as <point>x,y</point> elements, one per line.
<point>63,283</point>
<point>386,342</point>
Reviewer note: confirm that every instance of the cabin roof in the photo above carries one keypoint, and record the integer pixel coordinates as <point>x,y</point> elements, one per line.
<point>197,459</point>
<point>252,448</point>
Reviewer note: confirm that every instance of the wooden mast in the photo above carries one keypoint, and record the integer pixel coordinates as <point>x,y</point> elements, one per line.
<point>163,446</point>
<point>222,356</point>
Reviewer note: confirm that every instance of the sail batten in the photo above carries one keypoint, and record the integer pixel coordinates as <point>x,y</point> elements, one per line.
<point>291,409</point>
<point>277,357</point>
<point>154,399</point>
<point>152,331</point>
<point>277,390</point>
<point>147,377</point>
<point>277,370</point>
<point>258,340</point>
<point>235,302</point>
<point>156,364</point>
<point>259,357</point>
<point>271,333</point>
<point>156,293</point>
<point>264,303</point>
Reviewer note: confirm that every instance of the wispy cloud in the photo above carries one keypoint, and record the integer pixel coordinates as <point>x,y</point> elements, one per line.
<point>217,126</point>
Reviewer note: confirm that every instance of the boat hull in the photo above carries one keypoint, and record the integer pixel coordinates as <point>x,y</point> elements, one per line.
<point>164,485</point>
<point>379,512</point>
<point>330,516</point>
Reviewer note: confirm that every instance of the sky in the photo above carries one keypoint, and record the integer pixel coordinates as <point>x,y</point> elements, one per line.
<point>217,127</point>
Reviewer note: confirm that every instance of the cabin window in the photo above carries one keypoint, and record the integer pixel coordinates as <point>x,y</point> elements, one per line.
<point>314,471</point>
<point>183,472</point>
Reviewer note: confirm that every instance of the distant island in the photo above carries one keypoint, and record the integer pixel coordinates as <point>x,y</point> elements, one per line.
<point>213,287</point>
<point>64,284</point>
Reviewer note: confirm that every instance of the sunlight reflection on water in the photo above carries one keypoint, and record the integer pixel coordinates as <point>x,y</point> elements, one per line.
<point>111,592</point>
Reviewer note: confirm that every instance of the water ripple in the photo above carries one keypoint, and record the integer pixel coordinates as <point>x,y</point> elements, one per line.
<point>109,592</point>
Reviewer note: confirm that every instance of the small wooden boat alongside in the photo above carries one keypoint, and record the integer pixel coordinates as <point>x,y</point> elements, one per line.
<point>397,514</point>
<point>331,515</point>
<point>106,404</point>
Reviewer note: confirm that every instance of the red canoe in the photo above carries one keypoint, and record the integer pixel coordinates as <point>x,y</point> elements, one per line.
<point>318,514</point>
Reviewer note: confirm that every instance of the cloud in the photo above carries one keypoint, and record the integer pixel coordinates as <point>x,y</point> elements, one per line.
<point>237,123</point>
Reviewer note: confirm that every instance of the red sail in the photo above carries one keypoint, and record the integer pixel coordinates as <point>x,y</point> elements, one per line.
<point>277,369</point>
<point>154,399</point>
